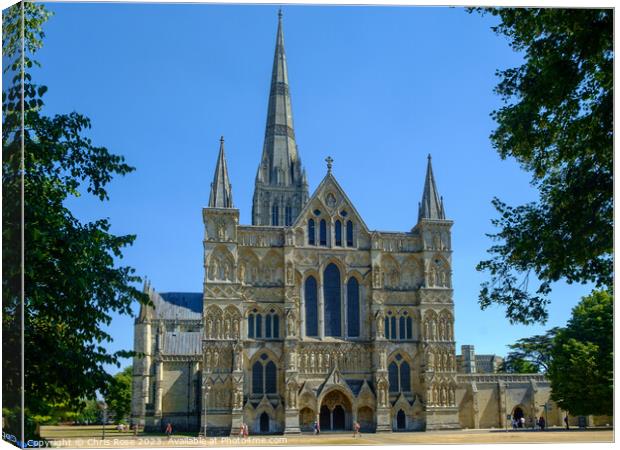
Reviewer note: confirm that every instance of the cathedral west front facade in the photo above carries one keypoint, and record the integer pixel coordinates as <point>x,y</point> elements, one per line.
<point>308,315</point>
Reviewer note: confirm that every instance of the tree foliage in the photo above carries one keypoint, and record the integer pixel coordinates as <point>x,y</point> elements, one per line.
<point>581,369</point>
<point>72,283</point>
<point>557,122</point>
<point>119,394</point>
<point>531,354</point>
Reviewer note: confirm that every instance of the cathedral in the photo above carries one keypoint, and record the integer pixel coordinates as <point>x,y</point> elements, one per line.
<point>307,315</point>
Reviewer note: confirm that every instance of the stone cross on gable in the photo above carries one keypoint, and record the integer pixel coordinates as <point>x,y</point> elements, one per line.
<point>329,161</point>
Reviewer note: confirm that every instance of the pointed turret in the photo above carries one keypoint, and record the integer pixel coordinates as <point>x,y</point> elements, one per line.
<point>280,191</point>
<point>221,189</point>
<point>431,206</point>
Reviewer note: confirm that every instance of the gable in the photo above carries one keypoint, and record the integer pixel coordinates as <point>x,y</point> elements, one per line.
<point>331,198</point>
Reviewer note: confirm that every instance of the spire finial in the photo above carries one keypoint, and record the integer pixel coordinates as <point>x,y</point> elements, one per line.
<point>329,160</point>
<point>221,139</point>
<point>429,157</point>
<point>280,13</point>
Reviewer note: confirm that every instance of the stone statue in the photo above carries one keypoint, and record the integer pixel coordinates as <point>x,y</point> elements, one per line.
<point>289,273</point>
<point>238,357</point>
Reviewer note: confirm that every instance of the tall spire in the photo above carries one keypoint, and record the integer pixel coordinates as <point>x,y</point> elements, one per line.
<point>280,173</point>
<point>280,149</point>
<point>431,206</point>
<point>221,189</point>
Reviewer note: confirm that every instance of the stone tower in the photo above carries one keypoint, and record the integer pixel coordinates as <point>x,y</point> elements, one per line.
<point>437,309</point>
<point>281,188</point>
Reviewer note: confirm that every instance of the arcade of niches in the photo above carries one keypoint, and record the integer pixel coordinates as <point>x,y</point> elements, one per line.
<point>307,315</point>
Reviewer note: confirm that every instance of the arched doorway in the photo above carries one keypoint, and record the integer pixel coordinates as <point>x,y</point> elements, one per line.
<point>517,415</point>
<point>401,420</point>
<point>264,423</point>
<point>338,418</point>
<point>335,412</point>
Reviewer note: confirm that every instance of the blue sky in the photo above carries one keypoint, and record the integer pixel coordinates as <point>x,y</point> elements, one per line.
<point>377,88</point>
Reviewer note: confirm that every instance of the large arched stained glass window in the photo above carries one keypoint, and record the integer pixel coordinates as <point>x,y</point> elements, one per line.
<point>276,326</point>
<point>312,307</point>
<point>268,326</point>
<point>259,326</point>
<point>401,328</point>
<point>251,326</point>
<point>353,308</point>
<point>323,232</point>
<point>311,237</point>
<point>393,377</point>
<point>271,378</point>
<point>257,378</point>
<point>332,298</point>
<point>405,377</point>
<point>338,233</point>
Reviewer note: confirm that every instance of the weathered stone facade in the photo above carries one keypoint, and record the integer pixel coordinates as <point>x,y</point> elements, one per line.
<point>307,315</point>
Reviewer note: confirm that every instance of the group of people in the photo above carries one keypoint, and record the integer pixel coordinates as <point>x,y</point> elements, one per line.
<point>243,430</point>
<point>540,422</point>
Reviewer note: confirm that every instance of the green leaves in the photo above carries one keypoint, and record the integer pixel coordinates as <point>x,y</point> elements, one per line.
<point>118,396</point>
<point>73,284</point>
<point>557,122</point>
<point>581,368</point>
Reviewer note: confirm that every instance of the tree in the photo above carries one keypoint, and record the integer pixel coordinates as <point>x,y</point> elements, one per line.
<point>530,355</point>
<point>581,369</point>
<point>72,283</point>
<point>557,122</point>
<point>119,394</point>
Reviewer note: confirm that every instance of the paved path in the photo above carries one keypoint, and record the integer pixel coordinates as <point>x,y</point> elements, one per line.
<point>80,437</point>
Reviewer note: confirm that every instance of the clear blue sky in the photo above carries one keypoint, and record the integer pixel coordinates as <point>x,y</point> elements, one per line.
<point>377,88</point>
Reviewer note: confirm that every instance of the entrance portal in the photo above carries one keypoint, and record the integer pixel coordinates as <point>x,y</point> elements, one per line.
<point>335,412</point>
<point>517,414</point>
<point>264,423</point>
<point>401,420</point>
<point>338,418</point>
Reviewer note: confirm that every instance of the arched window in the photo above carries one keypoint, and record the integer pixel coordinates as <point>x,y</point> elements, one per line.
<point>264,376</point>
<point>386,326</point>
<point>271,378</point>
<point>349,233</point>
<point>393,327</point>
<point>393,377</point>
<point>323,232</point>
<point>259,326</point>
<point>401,328</point>
<point>276,326</point>
<point>409,328</point>
<point>275,215</point>
<point>405,377</point>
<point>312,307</point>
<point>332,298</point>
<point>338,233</point>
<point>311,236</point>
<point>268,326</point>
<point>288,216</point>
<point>251,326</point>
<point>353,307</point>
<point>257,378</point>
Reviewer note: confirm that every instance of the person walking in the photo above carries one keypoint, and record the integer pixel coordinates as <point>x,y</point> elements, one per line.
<point>356,429</point>
<point>246,430</point>
<point>522,422</point>
<point>169,430</point>
<point>566,421</point>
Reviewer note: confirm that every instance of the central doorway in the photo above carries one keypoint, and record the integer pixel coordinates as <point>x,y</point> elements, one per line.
<point>264,423</point>
<point>335,412</point>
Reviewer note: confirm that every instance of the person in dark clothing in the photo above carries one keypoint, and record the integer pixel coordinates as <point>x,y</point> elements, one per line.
<point>566,421</point>
<point>541,423</point>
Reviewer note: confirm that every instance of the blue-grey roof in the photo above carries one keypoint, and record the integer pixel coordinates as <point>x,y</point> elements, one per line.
<point>182,343</point>
<point>178,305</point>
